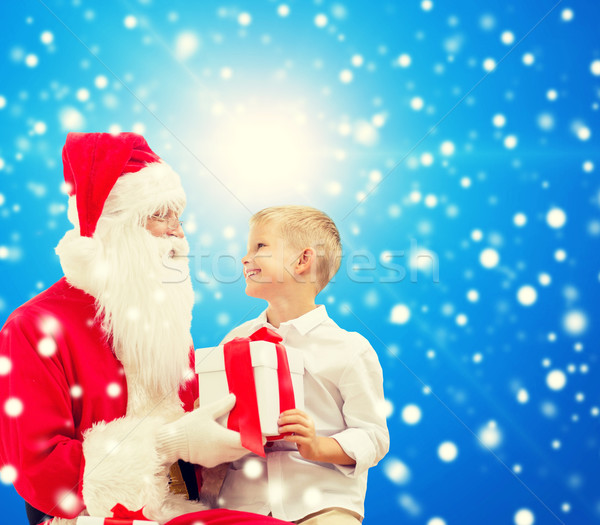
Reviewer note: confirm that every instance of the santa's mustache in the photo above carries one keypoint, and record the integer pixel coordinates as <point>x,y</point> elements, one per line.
<point>173,253</point>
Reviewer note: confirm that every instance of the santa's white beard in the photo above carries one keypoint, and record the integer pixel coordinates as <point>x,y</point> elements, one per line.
<point>146,307</point>
<point>144,297</point>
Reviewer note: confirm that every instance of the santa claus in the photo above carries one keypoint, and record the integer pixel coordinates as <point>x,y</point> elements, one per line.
<point>99,392</point>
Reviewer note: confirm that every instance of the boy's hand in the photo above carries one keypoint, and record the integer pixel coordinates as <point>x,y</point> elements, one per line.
<point>311,446</point>
<point>302,428</point>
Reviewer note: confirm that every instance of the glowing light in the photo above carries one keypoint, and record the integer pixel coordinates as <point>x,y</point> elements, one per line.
<point>524,517</point>
<point>31,60</point>
<point>130,22</point>
<point>436,521</point>
<point>510,141</point>
<point>312,496</point>
<point>567,14</point>
<point>321,20</point>
<point>520,219</point>
<point>5,365</point>
<point>447,451</point>
<point>244,19</point>
<point>461,319</point>
<point>528,59</point>
<point>113,390</point>
<point>473,296</point>
<point>404,60</point>
<point>427,5</point>
<point>552,94</point>
<point>8,474</point>
<point>101,82</point>
<point>13,407</point>
<point>396,471</point>
<point>47,37</point>
<point>226,73</point>
<point>186,45</point>
<point>46,346</point>
<point>447,148</point>
<point>76,391</point>
<point>507,37</point>
<point>527,295</point>
<point>595,67</point>
<point>556,380</point>
<point>283,10</point>
<point>499,120</point>
<point>560,255</point>
<point>417,103</point>
<point>411,414</point>
<point>489,64</point>
<point>575,322</point>
<point>426,159</point>
<point>490,435</point>
<point>357,60</point>
<point>253,468</point>
<point>489,258</point>
<point>431,201</point>
<point>400,314</point>
<point>522,396</point>
<point>270,159</point>
<point>477,235</point>
<point>556,218</point>
<point>346,76</point>
<point>544,279</point>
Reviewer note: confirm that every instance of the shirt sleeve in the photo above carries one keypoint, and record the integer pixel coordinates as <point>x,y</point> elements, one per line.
<point>366,438</point>
<point>38,436</point>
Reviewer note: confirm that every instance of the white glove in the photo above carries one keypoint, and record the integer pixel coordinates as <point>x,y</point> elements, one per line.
<point>197,438</point>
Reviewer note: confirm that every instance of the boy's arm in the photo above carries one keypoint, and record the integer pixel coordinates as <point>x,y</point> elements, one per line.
<point>366,439</point>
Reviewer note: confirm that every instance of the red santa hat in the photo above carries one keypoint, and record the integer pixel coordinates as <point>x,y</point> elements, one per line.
<point>94,163</point>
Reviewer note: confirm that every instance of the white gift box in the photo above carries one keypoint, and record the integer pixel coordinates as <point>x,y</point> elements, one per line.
<point>212,380</point>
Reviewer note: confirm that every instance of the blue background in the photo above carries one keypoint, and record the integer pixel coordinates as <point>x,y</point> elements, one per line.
<point>425,161</point>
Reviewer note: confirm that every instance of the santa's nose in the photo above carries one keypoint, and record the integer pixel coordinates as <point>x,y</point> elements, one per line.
<point>177,232</point>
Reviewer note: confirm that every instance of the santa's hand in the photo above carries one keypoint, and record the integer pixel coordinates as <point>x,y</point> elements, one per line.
<point>197,438</point>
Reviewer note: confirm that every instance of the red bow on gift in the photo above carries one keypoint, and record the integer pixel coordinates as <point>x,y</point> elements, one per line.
<point>122,512</point>
<point>240,378</point>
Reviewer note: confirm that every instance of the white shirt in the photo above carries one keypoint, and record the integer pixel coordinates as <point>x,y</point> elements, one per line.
<point>343,394</point>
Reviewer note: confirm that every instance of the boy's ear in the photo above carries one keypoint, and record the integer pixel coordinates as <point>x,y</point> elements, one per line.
<point>305,261</point>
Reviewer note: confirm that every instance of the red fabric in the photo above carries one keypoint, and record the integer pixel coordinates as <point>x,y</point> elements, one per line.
<point>240,378</point>
<point>121,511</point>
<point>44,443</point>
<point>224,517</point>
<point>92,163</point>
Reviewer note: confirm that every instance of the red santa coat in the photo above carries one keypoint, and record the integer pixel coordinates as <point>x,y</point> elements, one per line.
<point>59,381</point>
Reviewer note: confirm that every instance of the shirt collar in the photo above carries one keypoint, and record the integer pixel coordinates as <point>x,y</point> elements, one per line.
<point>303,324</point>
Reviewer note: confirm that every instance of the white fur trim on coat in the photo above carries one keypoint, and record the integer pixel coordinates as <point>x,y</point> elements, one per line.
<point>123,466</point>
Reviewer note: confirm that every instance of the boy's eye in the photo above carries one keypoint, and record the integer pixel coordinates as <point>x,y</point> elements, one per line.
<point>260,245</point>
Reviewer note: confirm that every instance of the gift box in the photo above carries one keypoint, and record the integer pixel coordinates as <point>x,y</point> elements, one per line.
<point>256,367</point>
<point>92,520</point>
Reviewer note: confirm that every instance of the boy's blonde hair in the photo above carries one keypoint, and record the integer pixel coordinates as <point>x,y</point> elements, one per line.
<point>304,227</point>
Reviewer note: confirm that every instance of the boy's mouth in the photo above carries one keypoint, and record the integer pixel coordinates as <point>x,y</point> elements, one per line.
<point>251,273</point>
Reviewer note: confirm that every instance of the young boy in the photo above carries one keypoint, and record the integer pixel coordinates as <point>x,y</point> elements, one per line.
<point>317,475</point>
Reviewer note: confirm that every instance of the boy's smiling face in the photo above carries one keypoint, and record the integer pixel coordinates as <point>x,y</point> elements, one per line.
<point>268,265</point>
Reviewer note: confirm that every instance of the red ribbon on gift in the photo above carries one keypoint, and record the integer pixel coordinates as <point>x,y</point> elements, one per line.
<point>240,378</point>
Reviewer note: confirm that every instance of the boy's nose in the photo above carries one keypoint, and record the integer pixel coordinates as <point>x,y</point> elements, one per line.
<point>245,259</point>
